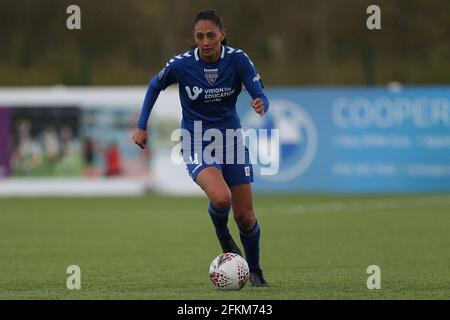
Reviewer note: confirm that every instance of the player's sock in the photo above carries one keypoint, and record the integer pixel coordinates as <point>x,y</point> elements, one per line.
<point>250,241</point>
<point>219,218</point>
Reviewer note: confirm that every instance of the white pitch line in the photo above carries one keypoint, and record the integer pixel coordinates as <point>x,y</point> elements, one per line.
<point>359,205</point>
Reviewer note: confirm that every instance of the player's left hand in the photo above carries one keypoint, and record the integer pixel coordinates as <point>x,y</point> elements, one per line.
<point>258,105</point>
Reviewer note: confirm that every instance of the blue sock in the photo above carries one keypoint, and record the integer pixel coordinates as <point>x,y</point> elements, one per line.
<point>219,218</point>
<point>250,241</point>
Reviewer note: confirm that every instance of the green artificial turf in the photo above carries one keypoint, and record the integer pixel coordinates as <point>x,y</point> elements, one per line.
<point>312,247</point>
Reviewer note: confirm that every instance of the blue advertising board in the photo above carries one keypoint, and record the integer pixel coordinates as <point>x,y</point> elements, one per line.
<point>351,139</point>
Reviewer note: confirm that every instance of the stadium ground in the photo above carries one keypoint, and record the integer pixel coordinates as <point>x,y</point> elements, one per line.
<point>313,247</point>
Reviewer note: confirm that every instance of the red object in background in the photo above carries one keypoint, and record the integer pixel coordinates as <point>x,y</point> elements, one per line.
<point>113,161</point>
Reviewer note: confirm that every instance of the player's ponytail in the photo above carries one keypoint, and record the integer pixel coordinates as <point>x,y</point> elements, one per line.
<point>212,16</point>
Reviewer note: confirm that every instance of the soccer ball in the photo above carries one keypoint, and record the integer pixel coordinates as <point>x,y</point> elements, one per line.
<point>229,271</point>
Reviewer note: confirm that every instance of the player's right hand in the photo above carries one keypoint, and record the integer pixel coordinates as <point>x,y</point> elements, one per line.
<point>140,137</point>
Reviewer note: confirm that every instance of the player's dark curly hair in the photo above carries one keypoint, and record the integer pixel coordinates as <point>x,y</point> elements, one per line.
<point>212,16</point>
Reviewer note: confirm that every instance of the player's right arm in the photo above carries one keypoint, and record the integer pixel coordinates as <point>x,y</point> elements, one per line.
<point>161,81</point>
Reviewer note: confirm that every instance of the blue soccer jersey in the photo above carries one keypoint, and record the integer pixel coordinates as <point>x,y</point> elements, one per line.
<point>208,91</point>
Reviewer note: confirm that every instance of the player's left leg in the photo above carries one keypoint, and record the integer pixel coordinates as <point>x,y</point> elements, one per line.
<point>249,230</point>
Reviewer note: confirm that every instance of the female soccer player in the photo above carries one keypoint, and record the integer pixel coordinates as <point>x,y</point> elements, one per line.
<point>210,78</point>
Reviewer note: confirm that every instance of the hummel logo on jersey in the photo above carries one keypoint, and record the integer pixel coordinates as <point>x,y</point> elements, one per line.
<point>195,90</point>
<point>211,75</point>
<point>257,78</point>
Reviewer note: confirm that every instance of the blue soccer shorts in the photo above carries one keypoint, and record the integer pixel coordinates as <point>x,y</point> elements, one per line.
<point>233,160</point>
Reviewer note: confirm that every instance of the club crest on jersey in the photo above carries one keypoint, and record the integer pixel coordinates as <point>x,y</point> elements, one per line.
<point>211,75</point>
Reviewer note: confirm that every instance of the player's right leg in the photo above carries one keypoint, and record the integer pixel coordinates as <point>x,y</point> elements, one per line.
<point>210,179</point>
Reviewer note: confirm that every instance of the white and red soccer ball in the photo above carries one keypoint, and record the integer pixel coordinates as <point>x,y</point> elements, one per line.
<point>229,271</point>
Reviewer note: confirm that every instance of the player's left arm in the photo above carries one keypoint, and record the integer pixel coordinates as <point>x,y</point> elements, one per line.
<point>253,83</point>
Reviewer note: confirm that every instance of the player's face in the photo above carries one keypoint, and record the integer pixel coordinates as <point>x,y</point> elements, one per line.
<point>208,38</point>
